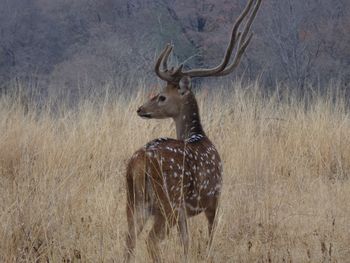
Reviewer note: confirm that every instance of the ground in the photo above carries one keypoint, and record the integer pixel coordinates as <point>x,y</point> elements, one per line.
<point>286,190</point>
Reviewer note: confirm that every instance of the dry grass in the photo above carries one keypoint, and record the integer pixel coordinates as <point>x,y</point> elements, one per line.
<point>286,188</point>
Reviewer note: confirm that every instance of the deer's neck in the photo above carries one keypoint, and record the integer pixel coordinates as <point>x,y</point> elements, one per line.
<point>188,122</point>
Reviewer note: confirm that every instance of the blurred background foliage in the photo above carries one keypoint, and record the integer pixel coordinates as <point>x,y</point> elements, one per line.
<point>78,45</point>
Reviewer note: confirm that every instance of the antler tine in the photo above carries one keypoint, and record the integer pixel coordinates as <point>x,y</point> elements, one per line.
<point>234,34</point>
<point>251,19</point>
<point>178,71</point>
<point>237,58</point>
<point>243,42</point>
<point>162,59</point>
<point>233,41</point>
<point>166,57</point>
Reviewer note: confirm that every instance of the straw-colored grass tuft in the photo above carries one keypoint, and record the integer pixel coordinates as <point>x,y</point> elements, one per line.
<point>286,188</point>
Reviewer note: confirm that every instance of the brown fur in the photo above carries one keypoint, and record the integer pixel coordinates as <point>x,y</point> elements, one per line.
<point>176,179</point>
<point>171,180</point>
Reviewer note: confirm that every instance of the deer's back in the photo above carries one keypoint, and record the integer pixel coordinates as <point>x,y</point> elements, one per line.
<point>189,171</point>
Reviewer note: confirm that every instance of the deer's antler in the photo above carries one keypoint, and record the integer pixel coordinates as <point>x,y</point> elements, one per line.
<point>243,39</point>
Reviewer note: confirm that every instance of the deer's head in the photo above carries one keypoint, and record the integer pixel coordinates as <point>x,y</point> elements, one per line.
<point>173,97</point>
<point>168,102</point>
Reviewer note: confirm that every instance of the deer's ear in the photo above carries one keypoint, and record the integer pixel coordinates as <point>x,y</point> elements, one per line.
<point>184,85</point>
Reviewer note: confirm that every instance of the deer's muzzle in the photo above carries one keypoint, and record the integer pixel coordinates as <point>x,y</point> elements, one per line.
<point>141,112</point>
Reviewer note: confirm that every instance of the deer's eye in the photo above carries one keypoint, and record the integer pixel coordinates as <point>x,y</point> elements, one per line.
<point>161,98</point>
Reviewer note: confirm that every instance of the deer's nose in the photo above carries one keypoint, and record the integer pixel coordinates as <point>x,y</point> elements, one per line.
<point>139,110</point>
<point>142,113</point>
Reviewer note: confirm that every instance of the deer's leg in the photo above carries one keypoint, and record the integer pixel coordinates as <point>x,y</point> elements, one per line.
<point>130,235</point>
<point>157,234</point>
<point>137,208</point>
<point>210,214</point>
<point>137,219</point>
<point>183,230</point>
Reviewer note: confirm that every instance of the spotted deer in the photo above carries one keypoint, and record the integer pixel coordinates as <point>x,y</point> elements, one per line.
<point>174,179</point>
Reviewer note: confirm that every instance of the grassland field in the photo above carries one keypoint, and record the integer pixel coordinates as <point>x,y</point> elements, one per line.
<point>286,194</point>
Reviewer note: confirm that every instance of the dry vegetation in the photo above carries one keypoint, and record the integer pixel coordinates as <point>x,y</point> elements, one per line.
<point>285,198</point>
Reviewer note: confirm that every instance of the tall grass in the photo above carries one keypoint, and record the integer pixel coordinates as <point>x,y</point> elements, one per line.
<point>286,188</point>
